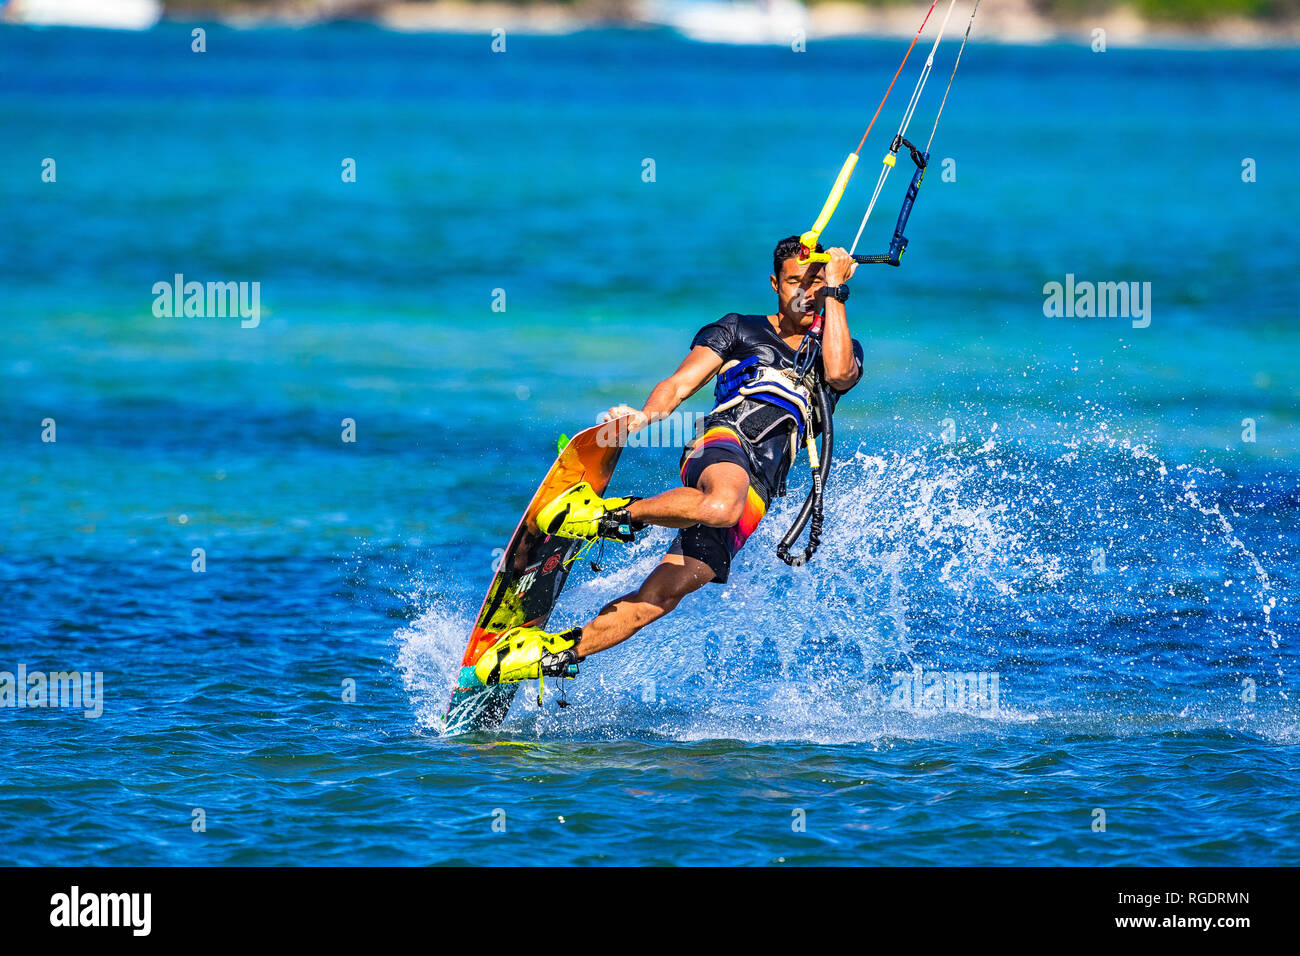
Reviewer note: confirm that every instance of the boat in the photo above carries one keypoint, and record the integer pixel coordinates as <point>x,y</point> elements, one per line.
<point>115,15</point>
<point>729,21</point>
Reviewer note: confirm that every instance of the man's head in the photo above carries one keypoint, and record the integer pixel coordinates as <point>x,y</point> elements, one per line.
<point>798,288</point>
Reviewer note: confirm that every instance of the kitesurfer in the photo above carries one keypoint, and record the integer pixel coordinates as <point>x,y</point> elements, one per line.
<point>731,469</point>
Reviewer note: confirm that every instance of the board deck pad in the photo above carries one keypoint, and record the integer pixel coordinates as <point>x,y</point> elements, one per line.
<point>531,575</point>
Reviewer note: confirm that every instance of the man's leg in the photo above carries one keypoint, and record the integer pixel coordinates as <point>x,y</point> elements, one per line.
<point>723,499</point>
<point>717,502</point>
<point>719,498</point>
<point>674,578</point>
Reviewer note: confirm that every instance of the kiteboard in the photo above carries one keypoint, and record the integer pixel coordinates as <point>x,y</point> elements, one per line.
<point>530,575</point>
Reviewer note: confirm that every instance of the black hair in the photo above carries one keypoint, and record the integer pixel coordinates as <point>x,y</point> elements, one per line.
<point>787,248</point>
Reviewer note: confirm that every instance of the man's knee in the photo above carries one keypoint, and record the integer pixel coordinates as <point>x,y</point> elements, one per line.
<point>660,596</point>
<point>721,511</point>
<point>668,585</point>
<point>666,591</point>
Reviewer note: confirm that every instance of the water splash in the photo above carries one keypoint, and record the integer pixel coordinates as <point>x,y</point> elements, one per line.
<point>1099,584</point>
<point>428,658</point>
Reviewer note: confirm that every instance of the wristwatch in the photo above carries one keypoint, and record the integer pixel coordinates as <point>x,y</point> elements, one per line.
<point>840,292</point>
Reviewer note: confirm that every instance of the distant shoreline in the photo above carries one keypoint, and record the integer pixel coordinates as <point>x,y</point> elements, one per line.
<point>1012,21</point>
<point>778,24</point>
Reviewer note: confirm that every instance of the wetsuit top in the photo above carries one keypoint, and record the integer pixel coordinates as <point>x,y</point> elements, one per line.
<point>738,337</point>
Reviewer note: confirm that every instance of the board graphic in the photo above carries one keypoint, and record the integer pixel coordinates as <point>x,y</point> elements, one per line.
<point>531,575</point>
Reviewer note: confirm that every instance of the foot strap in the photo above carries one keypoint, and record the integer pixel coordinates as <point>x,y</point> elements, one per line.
<point>563,663</point>
<point>619,525</point>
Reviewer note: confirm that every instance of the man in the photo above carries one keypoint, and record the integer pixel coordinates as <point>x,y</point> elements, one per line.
<point>730,471</point>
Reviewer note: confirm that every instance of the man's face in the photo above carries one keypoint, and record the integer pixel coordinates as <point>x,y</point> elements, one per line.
<point>800,290</point>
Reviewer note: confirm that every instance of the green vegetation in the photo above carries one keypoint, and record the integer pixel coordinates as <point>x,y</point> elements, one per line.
<point>1176,11</point>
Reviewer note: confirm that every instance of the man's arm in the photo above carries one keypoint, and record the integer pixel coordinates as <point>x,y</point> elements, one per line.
<point>841,365</point>
<point>842,369</point>
<point>697,368</point>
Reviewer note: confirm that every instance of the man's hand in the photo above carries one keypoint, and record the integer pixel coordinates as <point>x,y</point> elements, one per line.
<point>638,421</point>
<point>697,368</point>
<point>841,267</point>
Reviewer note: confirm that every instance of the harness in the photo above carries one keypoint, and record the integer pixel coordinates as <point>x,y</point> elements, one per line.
<point>769,398</point>
<point>756,388</point>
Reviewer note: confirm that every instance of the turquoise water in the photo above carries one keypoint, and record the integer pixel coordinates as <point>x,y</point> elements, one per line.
<point>1065,503</point>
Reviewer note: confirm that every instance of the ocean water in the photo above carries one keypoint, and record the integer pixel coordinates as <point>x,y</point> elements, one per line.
<point>1096,519</point>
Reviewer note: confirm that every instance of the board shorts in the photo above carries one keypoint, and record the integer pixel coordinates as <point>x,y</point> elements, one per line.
<point>717,546</point>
